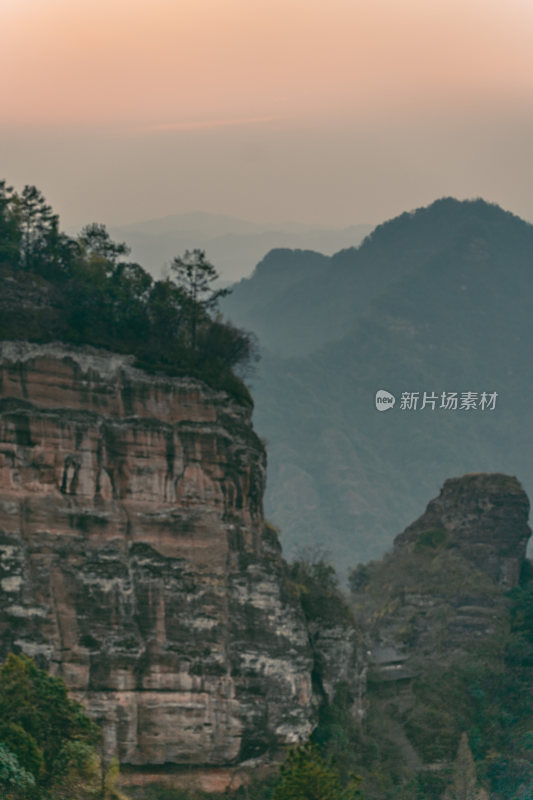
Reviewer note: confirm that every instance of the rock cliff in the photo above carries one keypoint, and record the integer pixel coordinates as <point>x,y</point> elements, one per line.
<point>435,610</point>
<point>439,593</point>
<point>482,517</point>
<point>135,562</point>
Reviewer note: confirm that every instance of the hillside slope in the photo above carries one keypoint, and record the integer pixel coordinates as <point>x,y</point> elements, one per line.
<point>439,300</point>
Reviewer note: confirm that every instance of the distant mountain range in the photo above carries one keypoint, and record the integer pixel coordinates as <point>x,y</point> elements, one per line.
<point>439,300</point>
<point>233,245</point>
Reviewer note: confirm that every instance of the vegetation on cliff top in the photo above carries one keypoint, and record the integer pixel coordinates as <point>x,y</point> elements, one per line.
<point>84,291</point>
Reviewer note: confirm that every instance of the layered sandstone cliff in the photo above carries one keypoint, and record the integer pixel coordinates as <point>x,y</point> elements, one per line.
<point>134,561</point>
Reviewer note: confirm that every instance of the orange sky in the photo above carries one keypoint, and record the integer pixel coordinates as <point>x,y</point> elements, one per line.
<point>232,98</point>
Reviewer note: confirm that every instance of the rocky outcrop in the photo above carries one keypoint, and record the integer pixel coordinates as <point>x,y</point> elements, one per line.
<point>436,614</point>
<point>439,593</point>
<point>134,560</point>
<point>135,563</point>
<point>434,610</point>
<point>483,517</point>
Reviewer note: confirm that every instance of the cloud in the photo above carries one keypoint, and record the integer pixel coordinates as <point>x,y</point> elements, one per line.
<point>206,124</point>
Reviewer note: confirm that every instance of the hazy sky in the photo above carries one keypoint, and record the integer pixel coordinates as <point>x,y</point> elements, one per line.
<point>343,111</point>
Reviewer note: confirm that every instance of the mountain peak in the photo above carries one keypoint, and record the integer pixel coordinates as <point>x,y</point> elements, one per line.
<point>439,218</point>
<point>481,516</point>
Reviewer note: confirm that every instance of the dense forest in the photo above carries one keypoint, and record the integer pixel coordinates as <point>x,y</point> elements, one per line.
<point>89,293</point>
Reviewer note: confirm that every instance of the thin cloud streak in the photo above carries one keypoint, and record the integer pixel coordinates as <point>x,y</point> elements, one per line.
<point>205,124</point>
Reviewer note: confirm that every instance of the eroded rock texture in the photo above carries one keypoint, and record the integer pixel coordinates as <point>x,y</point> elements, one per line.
<point>435,610</point>
<point>440,593</point>
<point>134,562</point>
<point>481,516</point>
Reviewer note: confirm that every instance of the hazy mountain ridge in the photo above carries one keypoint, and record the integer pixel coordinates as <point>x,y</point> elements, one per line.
<point>348,282</point>
<point>234,245</point>
<point>444,305</point>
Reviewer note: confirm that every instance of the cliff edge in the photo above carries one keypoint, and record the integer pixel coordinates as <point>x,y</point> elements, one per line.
<point>135,563</point>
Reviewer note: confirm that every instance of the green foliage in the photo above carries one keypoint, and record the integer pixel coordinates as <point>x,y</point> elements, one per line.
<point>16,782</point>
<point>24,746</point>
<point>432,538</point>
<point>305,775</point>
<point>111,777</point>
<point>196,276</point>
<point>520,643</point>
<point>358,577</point>
<point>156,792</point>
<point>49,748</point>
<point>482,691</point>
<point>338,733</point>
<point>97,297</point>
<point>50,735</point>
<point>489,701</point>
<point>256,789</point>
<point>77,772</point>
<point>38,227</point>
<point>317,586</point>
<point>98,245</point>
<point>10,232</point>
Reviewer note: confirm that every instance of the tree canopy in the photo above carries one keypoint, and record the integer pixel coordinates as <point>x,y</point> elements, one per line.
<point>306,775</point>
<point>90,293</point>
<point>47,742</point>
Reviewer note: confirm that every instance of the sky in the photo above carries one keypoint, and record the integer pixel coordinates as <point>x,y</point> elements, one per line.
<point>332,112</point>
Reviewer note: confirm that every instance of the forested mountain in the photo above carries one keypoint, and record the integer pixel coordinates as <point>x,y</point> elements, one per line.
<point>437,300</point>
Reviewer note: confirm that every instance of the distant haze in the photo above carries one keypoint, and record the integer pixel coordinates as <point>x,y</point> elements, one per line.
<point>233,245</point>
<point>441,298</point>
<point>332,113</point>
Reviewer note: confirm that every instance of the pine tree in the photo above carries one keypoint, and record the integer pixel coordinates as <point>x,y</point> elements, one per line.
<point>9,230</point>
<point>195,275</point>
<point>37,224</point>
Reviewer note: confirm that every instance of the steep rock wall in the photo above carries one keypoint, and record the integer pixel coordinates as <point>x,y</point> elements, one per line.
<point>483,518</point>
<point>440,592</point>
<point>134,561</point>
<point>435,609</point>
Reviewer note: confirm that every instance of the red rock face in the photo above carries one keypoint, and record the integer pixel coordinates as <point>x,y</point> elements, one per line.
<point>133,561</point>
